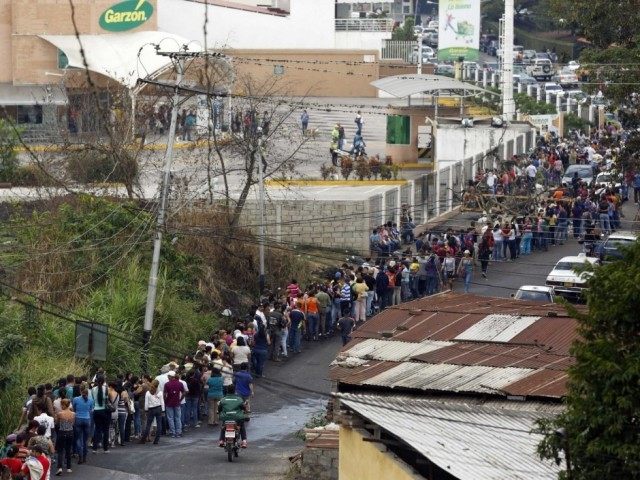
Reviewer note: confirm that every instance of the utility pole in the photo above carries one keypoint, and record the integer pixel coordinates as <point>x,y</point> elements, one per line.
<point>261,231</point>
<point>508,105</point>
<point>164,198</point>
<point>420,52</point>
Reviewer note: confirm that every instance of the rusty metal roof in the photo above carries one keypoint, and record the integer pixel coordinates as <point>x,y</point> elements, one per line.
<point>464,343</point>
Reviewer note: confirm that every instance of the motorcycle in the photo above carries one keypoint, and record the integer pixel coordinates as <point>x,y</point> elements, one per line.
<point>231,439</point>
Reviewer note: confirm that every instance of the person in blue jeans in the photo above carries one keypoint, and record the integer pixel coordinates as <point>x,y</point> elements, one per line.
<point>297,318</point>
<point>260,349</point>
<point>465,270</point>
<point>83,407</point>
<point>192,399</point>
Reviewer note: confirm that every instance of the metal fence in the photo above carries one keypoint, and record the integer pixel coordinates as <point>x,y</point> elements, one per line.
<point>364,24</point>
<point>398,49</point>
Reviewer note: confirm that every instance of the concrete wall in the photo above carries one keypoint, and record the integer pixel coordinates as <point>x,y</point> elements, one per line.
<point>360,460</point>
<point>301,77</point>
<point>310,24</point>
<point>339,224</point>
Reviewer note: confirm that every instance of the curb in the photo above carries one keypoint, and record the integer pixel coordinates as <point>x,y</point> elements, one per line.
<point>334,183</point>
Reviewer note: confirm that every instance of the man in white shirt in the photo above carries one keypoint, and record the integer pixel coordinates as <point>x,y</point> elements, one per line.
<point>47,421</point>
<point>491,181</point>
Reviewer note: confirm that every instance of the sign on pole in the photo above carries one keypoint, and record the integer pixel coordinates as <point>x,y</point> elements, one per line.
<point>91,340</point>
<point>459,30</point>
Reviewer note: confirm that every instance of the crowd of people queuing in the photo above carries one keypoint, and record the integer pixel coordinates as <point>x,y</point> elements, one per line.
<point>62,421</point>
<point>409,268</point>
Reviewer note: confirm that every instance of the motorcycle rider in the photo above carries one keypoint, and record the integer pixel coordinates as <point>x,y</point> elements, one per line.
<point>233,407</point>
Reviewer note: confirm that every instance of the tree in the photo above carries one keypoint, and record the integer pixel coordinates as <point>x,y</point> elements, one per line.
<point>601,424</point>
<point>405,32</point>
<point>611,30</point>
<point>9,140</point>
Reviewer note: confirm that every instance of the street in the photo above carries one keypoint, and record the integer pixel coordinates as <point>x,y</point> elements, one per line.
<point>278,413</point>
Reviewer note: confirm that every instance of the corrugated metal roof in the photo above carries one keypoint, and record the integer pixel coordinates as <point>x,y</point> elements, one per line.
<point>496,355</point>
<point>392,350</point>
<point>470,442</point>
<point>497,328</point>
<point>542,383</point>
<point>508,339</point>
<point>448,378</point>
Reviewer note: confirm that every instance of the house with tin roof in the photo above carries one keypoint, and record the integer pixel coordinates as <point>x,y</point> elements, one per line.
<point>450,387</point>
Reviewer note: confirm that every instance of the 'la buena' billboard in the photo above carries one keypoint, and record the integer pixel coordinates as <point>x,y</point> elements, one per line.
<point>458,29</point>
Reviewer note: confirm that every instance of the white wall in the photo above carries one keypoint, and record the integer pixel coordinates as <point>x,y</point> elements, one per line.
<point>455,143</point>
<point>361,40</point>
<point>310,25</point>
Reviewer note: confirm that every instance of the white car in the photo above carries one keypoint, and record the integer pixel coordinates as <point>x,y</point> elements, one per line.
<point>553,88</point>
<point>566,280</point>
<point>535,293</point>
<point>573,65</point>
<point>607,180</point>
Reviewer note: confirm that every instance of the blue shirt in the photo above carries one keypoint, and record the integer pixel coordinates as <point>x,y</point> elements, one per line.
<point>636,180</point>
<point>83,408</point>
<point>243,381</point>
<point>215,387</point>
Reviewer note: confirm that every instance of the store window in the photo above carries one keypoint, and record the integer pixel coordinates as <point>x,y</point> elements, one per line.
<point>63,61</point>
<point>29,114</point>
<point>398,130</point>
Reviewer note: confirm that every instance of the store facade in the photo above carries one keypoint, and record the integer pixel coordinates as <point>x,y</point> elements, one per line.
<point>57,56</point>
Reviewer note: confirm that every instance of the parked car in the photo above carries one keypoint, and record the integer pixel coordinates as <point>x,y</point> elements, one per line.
<point>573,65</point>
<point>485,41</point>
<point>565,278</point>
<point>518,53</point>
<point>610,249</point>
<point>433,24</point>
<point>492,48</point>
<point>528,56</point>
<point>585,173</point>
<point>553,88</point>
<point>490,66</point>
<point>432,39</point>
<point>524,79</point>
<point>541,69</point>
<point>566,77</point>
<point>535,293</point>
<point>445,70</point>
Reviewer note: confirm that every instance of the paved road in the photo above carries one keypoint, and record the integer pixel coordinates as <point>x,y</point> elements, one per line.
<point>278,412</point>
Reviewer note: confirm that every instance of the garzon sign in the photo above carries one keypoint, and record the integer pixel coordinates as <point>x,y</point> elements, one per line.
<point>126,15</point>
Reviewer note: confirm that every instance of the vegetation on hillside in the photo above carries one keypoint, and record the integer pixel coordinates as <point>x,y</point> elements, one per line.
<point>87,258</point>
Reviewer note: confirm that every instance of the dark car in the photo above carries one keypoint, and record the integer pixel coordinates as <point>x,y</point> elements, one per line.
<point>609,250</point>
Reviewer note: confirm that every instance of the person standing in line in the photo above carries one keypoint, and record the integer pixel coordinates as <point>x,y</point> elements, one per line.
<point>465,270</point>
<point>304,121</point>
<point>484,250</point>
<point>153,405</point>
<point>359,123</point>
<point>173,393</point>
<point>65,421</point>
<point>341,137</point>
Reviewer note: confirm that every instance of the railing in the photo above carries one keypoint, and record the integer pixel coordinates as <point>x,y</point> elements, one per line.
<point>364,24</point>
<point>401,49</point>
